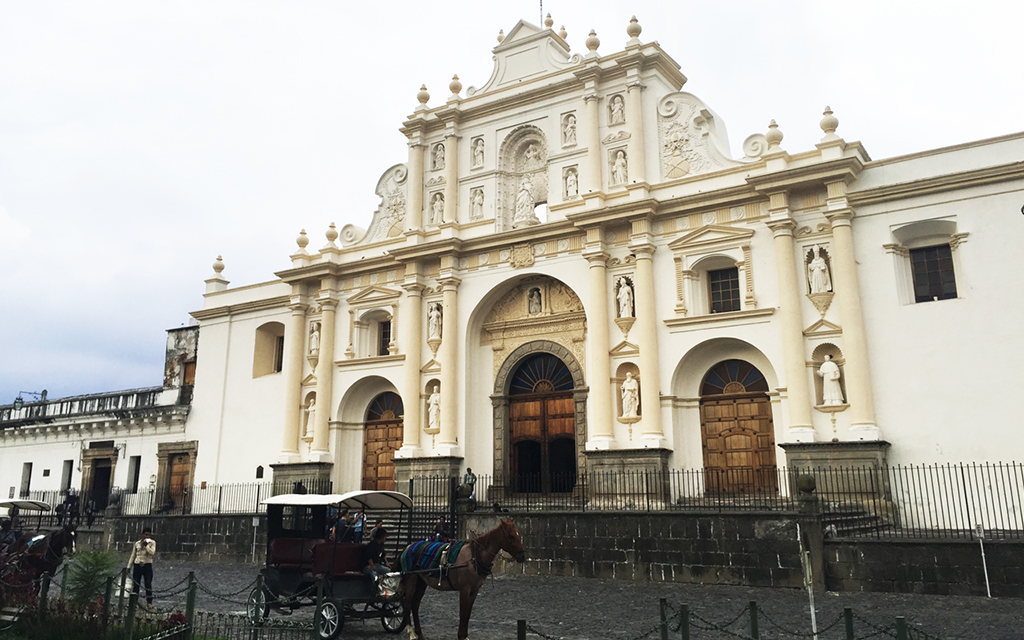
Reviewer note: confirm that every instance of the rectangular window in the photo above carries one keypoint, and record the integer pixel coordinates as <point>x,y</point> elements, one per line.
<point>279,354</point>
<point>385,338</point>
<point>65,475</point>
<point>724,290</point>
<point>26,479</point>
<point>134,467</point>
<point>932,270</point>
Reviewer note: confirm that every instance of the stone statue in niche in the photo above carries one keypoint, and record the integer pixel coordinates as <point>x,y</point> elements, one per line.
<point>817,273</point>
<point>832,392</point>
<point>434,409</point>
<point>569,131</point>
<point>532,154</point>
<point>434,321</point>
<point>630,396</point>
<point>524,203</point>
<point>478,152</point>
<point>314,338</point>
<point>476,204</point>
<point>617,107</point>
<point>535,301</point>
<point>625,298</point>
<point>572,188</point>
<point>438,161</point>
<point>620,172</point>
<point>436,209</point>
<point>310,418</point>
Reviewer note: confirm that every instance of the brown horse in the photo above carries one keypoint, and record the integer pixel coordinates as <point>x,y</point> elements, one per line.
<point>466,575</point>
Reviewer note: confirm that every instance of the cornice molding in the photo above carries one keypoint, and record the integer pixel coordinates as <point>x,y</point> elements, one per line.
<point>938,184</point>
<point>281,302</point>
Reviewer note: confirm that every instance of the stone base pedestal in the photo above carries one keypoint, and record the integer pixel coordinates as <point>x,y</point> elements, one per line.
<point>836,455</point>
<point>627,478</point>
<point>314,476</point>
<point>846,473</point>
<point>427,467</point>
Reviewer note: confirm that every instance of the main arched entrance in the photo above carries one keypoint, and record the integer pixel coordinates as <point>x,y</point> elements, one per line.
<point>381,438</point>
<point>736,429</point>
<point>542,441</point>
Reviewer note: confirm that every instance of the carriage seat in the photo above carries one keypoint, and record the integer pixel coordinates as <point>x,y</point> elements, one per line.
<point>292,552</point>
<point>343,560</point>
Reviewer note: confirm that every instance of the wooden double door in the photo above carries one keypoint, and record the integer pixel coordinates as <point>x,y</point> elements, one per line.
<point>382,436</point>
<point>737,431</point>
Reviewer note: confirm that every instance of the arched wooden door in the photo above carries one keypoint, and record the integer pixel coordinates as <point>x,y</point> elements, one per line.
<point>736,429</point>
<point>541,418</point>
<point>382,436</point>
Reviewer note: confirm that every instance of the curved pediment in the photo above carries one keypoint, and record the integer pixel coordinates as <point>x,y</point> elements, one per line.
<point>527,52</point>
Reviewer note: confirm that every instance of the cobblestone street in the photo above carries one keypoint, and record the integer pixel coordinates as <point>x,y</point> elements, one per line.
<point>587,609</point>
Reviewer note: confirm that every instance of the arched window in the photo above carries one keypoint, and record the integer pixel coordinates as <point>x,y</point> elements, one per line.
<point>268,352</point>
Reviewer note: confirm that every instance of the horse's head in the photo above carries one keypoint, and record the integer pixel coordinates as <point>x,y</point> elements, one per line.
<point>512,542</point>
<point>67,536</point>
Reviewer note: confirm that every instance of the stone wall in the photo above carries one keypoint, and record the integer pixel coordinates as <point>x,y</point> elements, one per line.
<point>756,549</point>
<point>223,538</point>
<point>920,566</point>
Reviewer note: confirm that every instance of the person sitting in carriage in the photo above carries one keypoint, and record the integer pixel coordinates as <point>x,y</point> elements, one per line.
<point>7,535</point>
<point>376,562</point>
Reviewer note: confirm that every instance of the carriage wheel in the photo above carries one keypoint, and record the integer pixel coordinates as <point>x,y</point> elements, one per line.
<point>392,616</point>
<point>330,620</point>
<point>257,607</point>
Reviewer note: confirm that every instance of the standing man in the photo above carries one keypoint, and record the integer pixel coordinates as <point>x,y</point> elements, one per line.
<point>359,526</point>
<point>141,564</point>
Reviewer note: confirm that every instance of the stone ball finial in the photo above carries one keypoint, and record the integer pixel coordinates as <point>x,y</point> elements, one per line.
<point>423,96</point>
<point>592,42</point>
<point>829,123</point>
<point>455,85</point>
<point>332,234</point>
<point>774,136</point>
<point>633,29</point>
<point>302,240</point>
<point>218,265</point>
<point>501,35</point>
<point>562,33</point>
<point>548,22</point>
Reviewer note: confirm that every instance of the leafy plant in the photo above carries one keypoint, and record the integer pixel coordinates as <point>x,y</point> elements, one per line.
<point>88,574</point>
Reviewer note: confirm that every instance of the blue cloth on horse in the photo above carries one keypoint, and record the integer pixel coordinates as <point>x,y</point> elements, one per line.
<point>422,556</point>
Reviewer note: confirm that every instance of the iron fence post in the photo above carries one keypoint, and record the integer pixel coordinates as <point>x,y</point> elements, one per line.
<point>190,604</point>
<point>120,594</point>
<point>848,616</point>
<point>319,606</point>
<point>901,628</point>
<point>129,622</point>
<point>521,629</point>
<point>684,622</point>
<point>64,579</point>
<point>662,606</point>
<point>108,593</point>
<point>44,591</point>
<point>754,633</point>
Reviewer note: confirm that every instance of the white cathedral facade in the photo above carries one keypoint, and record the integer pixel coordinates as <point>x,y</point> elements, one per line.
<point>569,274</point>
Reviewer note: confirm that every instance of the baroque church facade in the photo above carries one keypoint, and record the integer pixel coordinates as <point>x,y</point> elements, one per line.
<point>570,274</point>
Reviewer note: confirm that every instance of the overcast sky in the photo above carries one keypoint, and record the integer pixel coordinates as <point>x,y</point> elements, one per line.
<point>139,140</point>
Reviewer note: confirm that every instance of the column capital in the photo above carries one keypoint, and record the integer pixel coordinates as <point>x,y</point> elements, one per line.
<point>299,307</point>
<point>636,84</point>
<point>414,288</point>
<point>328,303</point>
<point>839,217</point>
<point>782,226</point>
<point>588,97</point>
<point>596,257</point>
<point>449,283</point>
<point>642,249</point>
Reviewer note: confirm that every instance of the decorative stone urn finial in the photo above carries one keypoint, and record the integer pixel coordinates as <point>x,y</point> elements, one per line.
<point>501,35</point>
<point>829,124</point>
<point>332,234</point>
<point>633,30</point>
<point>548,22</point>
<point>593,43</point>
<point>774,136</point>
<point>218,265</point>
<point>302,240</point>
<point>455,85</point>
<point>423,97</point>
<point>562,33</point>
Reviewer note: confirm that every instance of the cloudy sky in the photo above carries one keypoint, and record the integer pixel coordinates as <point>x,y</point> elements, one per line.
<point>139,140</point>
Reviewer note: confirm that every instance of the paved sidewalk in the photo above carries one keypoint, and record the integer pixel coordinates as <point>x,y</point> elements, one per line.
<point>587,609</point>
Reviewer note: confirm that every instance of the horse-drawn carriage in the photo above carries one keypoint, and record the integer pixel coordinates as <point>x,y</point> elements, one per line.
<point>25,557</point>
<point>300,553</point>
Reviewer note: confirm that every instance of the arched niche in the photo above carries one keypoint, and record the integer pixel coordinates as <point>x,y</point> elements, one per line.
<point>522,178</point>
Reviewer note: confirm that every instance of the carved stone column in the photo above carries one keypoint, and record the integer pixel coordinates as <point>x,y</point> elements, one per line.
<point>447,444</point>
<point>801,427</point>
<point>651,434</point>
<point>294,352</point>
<point>855,345</point>
<point>324,376</point>
<point>635,122</point>
<point>412,345</point>
<point>592,134</point>
<point>414,215</point>
<point>601,435</point>
<point>451,177</point>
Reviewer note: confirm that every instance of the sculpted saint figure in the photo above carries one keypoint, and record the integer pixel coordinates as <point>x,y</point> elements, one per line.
<point>477,204</point>
<point>569,130</point>
<point>817,273</point>
<point>571,185</point>
<point>524,201</point>
<point>625,298</point>
<point>630,396</point>
<point>437,209</point>
<point>620,173</point>
<point>439,156</point>
<point>618,108</point>
<point>478,152</point>
<point>310,417</point>
<point>532,156</point>
<point>434,409</point>
<point>535,305</point>
<point>314,338</point>
<point>832,393</point>
<point>434,321</point>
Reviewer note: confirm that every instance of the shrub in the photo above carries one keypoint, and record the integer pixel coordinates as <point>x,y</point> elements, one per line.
<point>88,575</point>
